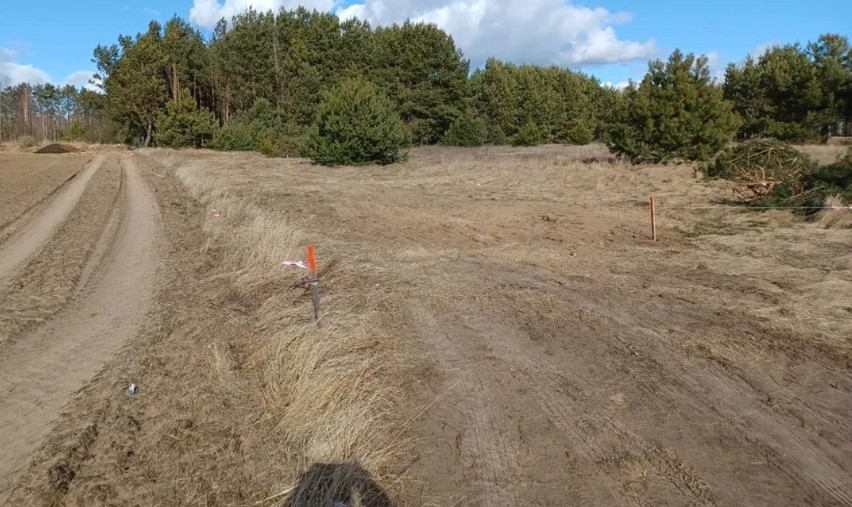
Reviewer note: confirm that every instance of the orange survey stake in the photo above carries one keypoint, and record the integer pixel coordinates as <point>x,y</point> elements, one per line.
<point>312,260</point>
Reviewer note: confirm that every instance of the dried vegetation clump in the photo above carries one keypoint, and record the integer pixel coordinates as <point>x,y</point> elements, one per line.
<point>326,394</point>
<point>758,167</point>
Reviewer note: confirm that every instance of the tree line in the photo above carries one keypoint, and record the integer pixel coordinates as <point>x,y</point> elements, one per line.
<point>48,112</point>
<point>789,93</point>
<point>260,80</point>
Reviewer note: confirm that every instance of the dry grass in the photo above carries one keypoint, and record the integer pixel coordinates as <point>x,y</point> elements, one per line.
<point>823,154</point>
<point>328,393</point>
<point>838,218</point>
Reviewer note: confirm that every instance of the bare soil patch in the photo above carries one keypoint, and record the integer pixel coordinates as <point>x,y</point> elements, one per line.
<point>30,233</point>
<point>41,370</point>
<point>27,181</point>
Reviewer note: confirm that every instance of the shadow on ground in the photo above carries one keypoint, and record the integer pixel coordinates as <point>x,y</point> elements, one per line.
<point>338,485</point>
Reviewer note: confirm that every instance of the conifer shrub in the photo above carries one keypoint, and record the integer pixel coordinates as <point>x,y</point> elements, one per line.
<point>355,124</point>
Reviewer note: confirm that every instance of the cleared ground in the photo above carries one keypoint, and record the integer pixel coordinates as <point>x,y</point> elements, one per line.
<point>544,351</point>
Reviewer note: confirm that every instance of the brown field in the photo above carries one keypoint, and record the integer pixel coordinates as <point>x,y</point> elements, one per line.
<point>497,329</point>
<point>26,181</point>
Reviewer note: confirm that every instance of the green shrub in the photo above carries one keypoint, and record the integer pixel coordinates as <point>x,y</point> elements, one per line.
<point>355,124</point>
<point>262,128</point>
<point>530,135</point>
<point>184,123</point>
<point>268,147</point>
<point>236,136</point>
<point>829,180</point>
<point>467,130</point>
<point>75,131</point>
<point>495,135</point>
<point>580,132</point>
<point>676,113</point>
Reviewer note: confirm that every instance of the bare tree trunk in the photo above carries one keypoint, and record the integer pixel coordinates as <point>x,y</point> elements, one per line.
<point>175,82</point>
<point>280,89</point>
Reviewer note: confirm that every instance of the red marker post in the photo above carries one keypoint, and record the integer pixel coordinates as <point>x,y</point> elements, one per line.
<point>312,266</point>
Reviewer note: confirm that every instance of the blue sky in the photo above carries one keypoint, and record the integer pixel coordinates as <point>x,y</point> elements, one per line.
<point>611,39</point>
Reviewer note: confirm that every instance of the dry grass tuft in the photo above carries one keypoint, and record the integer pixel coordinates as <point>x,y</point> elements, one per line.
<point>838,218</point>
<point>327,393</point>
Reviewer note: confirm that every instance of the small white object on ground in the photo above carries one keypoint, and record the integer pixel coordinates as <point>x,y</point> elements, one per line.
<point>132,389</point>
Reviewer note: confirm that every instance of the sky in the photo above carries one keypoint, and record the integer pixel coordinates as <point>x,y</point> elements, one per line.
<point>52,40</point>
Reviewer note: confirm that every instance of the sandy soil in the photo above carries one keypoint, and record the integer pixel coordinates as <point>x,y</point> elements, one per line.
<point>28,182</point>
<point>28,238</point>
<point>45,281</point>
<point>27,179</point>
<point>40,371</point>
<point>562,357</point>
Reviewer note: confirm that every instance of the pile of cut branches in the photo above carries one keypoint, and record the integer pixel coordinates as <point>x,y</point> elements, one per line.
<point>762,168</point>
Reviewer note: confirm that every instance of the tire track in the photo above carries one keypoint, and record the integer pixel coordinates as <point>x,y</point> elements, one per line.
<point>32,236</point>
<point>735,401</point>
<point>41,371</point>
<point>54,276</point>
<point>483,444</point>
<point>593,431</point>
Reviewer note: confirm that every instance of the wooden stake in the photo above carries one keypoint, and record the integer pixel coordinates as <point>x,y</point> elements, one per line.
<point>653,220</point>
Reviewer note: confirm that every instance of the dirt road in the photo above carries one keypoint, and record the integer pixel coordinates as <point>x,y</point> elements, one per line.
<point>41,371</point>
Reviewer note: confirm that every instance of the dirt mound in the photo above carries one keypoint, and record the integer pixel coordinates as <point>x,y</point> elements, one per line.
<point>58,148</point>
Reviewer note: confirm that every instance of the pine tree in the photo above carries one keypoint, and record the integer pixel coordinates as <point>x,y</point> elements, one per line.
<point>676,112</point>
<point>184,123</point>
<point>467,130</point>
<point>134,83</point>
<point>420,69</point>
<point>355,124</point>
<point>793,94</point>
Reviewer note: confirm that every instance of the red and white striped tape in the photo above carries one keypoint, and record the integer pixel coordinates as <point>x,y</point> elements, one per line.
<point>296,264</point>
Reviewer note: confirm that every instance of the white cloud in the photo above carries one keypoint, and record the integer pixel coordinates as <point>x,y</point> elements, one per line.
<point>82,78</point>
<point>7,54</point>
<point>522,31</point>
<point>621,85</point>
<point>716,65</point>
<point>13,73</point>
